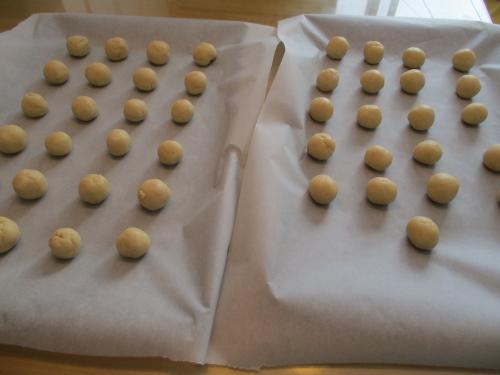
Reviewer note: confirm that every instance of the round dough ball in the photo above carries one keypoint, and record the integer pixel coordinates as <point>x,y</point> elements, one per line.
<point>93,188</point>
<point>34,105</point>
<point>412,81</point>
<point>422,232</point>
<point>116,49</point>
<point>413,58</point>
<point>464,59</point>
<point>65,243</point>
<point>378,158</point>
<point>374,52</point>
<point>323,189</point>
<point>204,54</point>
<point>170,152</point>
<point>30,184</point>
<point>12,139</point>
<point>337,47</point>
<point>369,116</point>
<point>56,72</point>
<point>442,188</point>
<point>327,80</point>
<point>381,191</point>
<point>474,113</point>
<point>58,144</point>
<point>321,109</point>
<point>135,110</point>
<point>182,111</point>
<point>491,158</point>
<point>372,81</point>
<point>321,146</point>
<point>427,152</point>
<point>153,194</point>
<point>9,234</point>
<point>145,79</point>
<point>421,117</point>
<point>133,243</point>
<point>118,142</point>
<point>468,86</point>
<point>78,46</point>
<point>98,74</point>
<point>196,82</point>
<point>158,52</point>
<point>84,108</point>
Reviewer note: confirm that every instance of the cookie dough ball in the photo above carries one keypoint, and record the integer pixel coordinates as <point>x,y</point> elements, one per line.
<point>65,243</point>
<point>337,47</point>
<point>412,81</point>
<point>153,194</point>
<point>116,49</point>
<point>491,158</point>
<point>30,184</point>
<point>9,234</point>
<point>118,142</point>
<point>195,82</point>
<point>474,114</point>
<point>12,139</point>
<point>327,80</point>
<point>182,111</point>
<point>158,52</point>
<point>381,191</point>
<point>56,72</point>
<point>78,46</point>
<point>204,54</point>
<point>323,189</point>
<point>133,243</point>
<point>34,105</point>
<point>321,146</point>
<point>321,109</point>
<point>93,188</point>
<point>84,108</point>
<point>374,52</point>
<point>422,232</point>
<point>98,74</point>
<point>464,60</point>
<point>421,117</point>
<point>369,116</point>
<point>135,110</point>
<point>442,188</point>
<point>378,158</point>
<point>372,81</point>
<point>170,152</point>
<point>427,152</point>
<point>468,86</point>
<point>413,58</point>
<point>145,79</point>
<point>58,144</point>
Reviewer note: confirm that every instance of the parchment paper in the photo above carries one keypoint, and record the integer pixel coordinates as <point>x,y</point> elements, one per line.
<point>99,303</point>
<point>306,284</point>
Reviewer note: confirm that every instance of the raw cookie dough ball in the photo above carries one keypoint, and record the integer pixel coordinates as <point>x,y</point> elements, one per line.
<point>413,58</point>
<point>412,81</point>
<point>93,188</point>
<point>78,46</point>
<point>421,117</point>
<point>158,52</point>
<point>491,158</point>
<point>55,72</point>
<point>195,82</point>
<point>464,59</point>
<point>58,144</point>
<point>369,116</point>
<point>378,158</point>
<point>381,190</point>
<point>135,110</point>
<point>321,109</point>
<point>34,105</point>
<point>170,152</point>
<point>468,86</point>
<point>65,243</point>
<point>323,189</point>
<point>153,194</point>
<point>30,184</point>
<point>372,81</point>
<point>116,49</point>
<point>427,152</point>
<point>204,54</point>
<point>422,232</point>
<point>327,80</point>
<point>133,243</point>
<point>118,142</point>
<point>374,52</point>
<point>12,139</point>
<point>337,47</point>
<point>98,74</point>
<point>145,79</point>
<point>9,234</point>
<point>84,108</point>
<point>474,113</point>
<point>182,111</point>
<point>321,146</point>
<point>442,188</point>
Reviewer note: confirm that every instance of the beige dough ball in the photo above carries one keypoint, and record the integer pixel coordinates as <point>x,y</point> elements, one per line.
<point>369,116</point>
<point>412,81</point>
<point>374,52</point>
<point>474,114</point>
<point>56,72</point>
<point>145,79</point>
<point>118,142</point>
<point>464,59</point>
<point>321,109</point>
<point>12,139</point>
<point>182,111</point>
<point>204,54</point>
<point>135,110</point>
<point>116,49</point>
<point>381,191</point>
<point>58,144</point>
<point>78,46</point>
<point>442,188</point>
<point>65,243</point>
<point>84,108</point>
<point>158,52</point>
<point>170,152</point>
<point>413,58</point>
<point>9,234</point>
<point>468,86</point>
<point>93,188</point>
<point>427,152</point>
<point>30,184</point>
<point>422,232</point>
<point>34,105</point>
<point>323,189</point>
<point>321,146</point>
<point>133,243</point>
<point>153,194</point>
<point>337,47</point>
<point>421,117</point>
<point>327,80</point>
<point>195,82</point>
<point>491,158</point>
<point>98,74</point>
<point>372,81</point>
<point>378,158</point>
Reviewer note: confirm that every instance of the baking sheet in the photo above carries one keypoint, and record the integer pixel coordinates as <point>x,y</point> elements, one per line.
<point>99,303</point>
<point>306,284</point>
